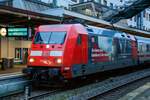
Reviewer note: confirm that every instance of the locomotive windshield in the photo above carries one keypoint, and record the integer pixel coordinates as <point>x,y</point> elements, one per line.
<point>50,38</point>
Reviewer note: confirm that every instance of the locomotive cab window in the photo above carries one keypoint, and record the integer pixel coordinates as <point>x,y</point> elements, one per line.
<point>79,40</point>
<point>50,38</point>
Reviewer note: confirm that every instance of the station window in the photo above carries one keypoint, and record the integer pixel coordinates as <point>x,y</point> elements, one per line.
<point>105,2</point>
<point>18,53</point>
<point>74,0</point>
<point>98,1</point>
<point>81,1</point>
<point>111,5</point>
<point>135,18</point>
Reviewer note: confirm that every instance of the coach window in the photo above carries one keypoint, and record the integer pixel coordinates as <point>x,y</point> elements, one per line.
<point>79,40</point>
<point>105,43</point>
<point>140,48</point>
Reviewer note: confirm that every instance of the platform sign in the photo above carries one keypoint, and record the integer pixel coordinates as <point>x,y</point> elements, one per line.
<point>20,32</point>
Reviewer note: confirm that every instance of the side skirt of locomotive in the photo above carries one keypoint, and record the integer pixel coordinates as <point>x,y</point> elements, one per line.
<point>80,70</point>
<point>54,74</point>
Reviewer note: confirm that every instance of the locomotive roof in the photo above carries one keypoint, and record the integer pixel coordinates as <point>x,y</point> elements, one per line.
<point>90,29</point>
<point>54,27</point>
<point>109,33</point>
<point>63,27</point>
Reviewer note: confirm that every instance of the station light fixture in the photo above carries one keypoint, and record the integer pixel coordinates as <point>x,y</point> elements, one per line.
<point>3,31</point>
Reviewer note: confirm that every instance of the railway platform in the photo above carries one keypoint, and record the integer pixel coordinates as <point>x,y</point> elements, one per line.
<point>16,69</point>
<point>141,93</point>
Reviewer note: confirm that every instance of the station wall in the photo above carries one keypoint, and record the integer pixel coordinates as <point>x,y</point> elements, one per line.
<point>8,46</point>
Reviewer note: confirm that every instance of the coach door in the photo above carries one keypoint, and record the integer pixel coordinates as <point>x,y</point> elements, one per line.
<point>84,48</point>
<point>134,50</point>
<point>81,49</point>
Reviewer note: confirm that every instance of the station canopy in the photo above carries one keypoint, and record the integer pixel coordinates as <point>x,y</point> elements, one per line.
<point>73,17</point>
<point>10,16</point>
<point>20,17</point>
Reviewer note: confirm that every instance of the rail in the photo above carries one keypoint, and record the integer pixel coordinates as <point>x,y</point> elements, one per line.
<point>42,94</point>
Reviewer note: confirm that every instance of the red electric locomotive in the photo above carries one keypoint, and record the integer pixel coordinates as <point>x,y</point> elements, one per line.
<point>73,50</point>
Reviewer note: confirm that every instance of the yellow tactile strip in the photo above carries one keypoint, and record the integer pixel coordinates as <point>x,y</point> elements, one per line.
<point>135,93</point>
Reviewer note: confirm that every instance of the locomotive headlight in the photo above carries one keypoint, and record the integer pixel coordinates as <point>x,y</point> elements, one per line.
<point>31,60</point>
<point>59,61</point>
<point>47,46</point>
<point>56,53</point>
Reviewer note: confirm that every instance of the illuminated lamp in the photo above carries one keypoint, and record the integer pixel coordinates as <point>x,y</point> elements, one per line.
<point>3,31</point>
<point>58,61</point>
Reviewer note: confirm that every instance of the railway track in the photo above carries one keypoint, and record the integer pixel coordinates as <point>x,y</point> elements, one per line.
<point>83,92</point>
<point>92,90</point>
<point>41,95</point>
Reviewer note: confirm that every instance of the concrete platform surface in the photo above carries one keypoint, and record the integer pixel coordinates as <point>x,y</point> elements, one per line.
<point>141,93</point>
<point>15,69</point>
